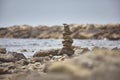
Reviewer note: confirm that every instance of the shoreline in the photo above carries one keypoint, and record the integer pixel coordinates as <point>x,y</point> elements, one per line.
<point>33,45</point>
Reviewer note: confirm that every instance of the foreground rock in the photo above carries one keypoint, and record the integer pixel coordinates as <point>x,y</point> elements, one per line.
<point>80,31</point>
<point>11,57</point>
<point>97,64</point>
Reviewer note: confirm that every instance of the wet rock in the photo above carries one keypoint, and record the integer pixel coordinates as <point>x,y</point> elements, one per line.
<point>3,70</point>
<point>22,62</point>
<point>44,53</point>
<point>33,66</point>
<point>2,50</point>
<point>36,59</point>
<point>11,57</point>
<point>115,48</point>
<point>11,68</point>
<point>18,56</point>
<point>7,57</point>
<point>23,50</point>
<point>67,51</point>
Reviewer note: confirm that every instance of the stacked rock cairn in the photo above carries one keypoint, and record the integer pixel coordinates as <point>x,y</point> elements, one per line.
<point>67,42</point>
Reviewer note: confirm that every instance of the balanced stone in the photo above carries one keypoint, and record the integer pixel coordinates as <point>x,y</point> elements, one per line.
<point>66,30</point>
<point>67,42</point>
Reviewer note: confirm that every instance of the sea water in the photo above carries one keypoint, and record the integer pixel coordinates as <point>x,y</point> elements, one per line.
<point>34,45</point>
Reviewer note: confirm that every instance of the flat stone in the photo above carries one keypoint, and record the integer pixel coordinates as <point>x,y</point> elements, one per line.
<point>44,53</point>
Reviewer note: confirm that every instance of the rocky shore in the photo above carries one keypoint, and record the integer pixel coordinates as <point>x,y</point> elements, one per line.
<point>84,64</point>
<point>80,31</point>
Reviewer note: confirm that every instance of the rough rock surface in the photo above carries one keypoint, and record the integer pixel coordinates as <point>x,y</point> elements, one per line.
<point>43,53</point>
<point>95,64</point>
<point>13,56</point>
<point>98,64</point>
<point>2,50</point>
<point>80,31</point>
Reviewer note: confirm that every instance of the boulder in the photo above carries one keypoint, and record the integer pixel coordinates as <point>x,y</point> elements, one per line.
<point>89,66</point>
<point>3,50</point>
<point>22,62</point>
<point>44,53</point>
<point>23,50</point>
<point>13,56</point>
<point>3,70</point>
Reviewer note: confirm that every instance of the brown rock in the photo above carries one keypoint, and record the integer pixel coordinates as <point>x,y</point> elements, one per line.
<point>22,62</point>
<point>3,70</point>
<point>44,53</point>
<point>11,57</point>
<point>88,66</point>
<point>67,51</point>
<point>23,50</point>
<point>3,50</point>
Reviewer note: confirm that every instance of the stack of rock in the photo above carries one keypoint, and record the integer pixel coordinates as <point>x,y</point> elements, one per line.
<point>67,42</point>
